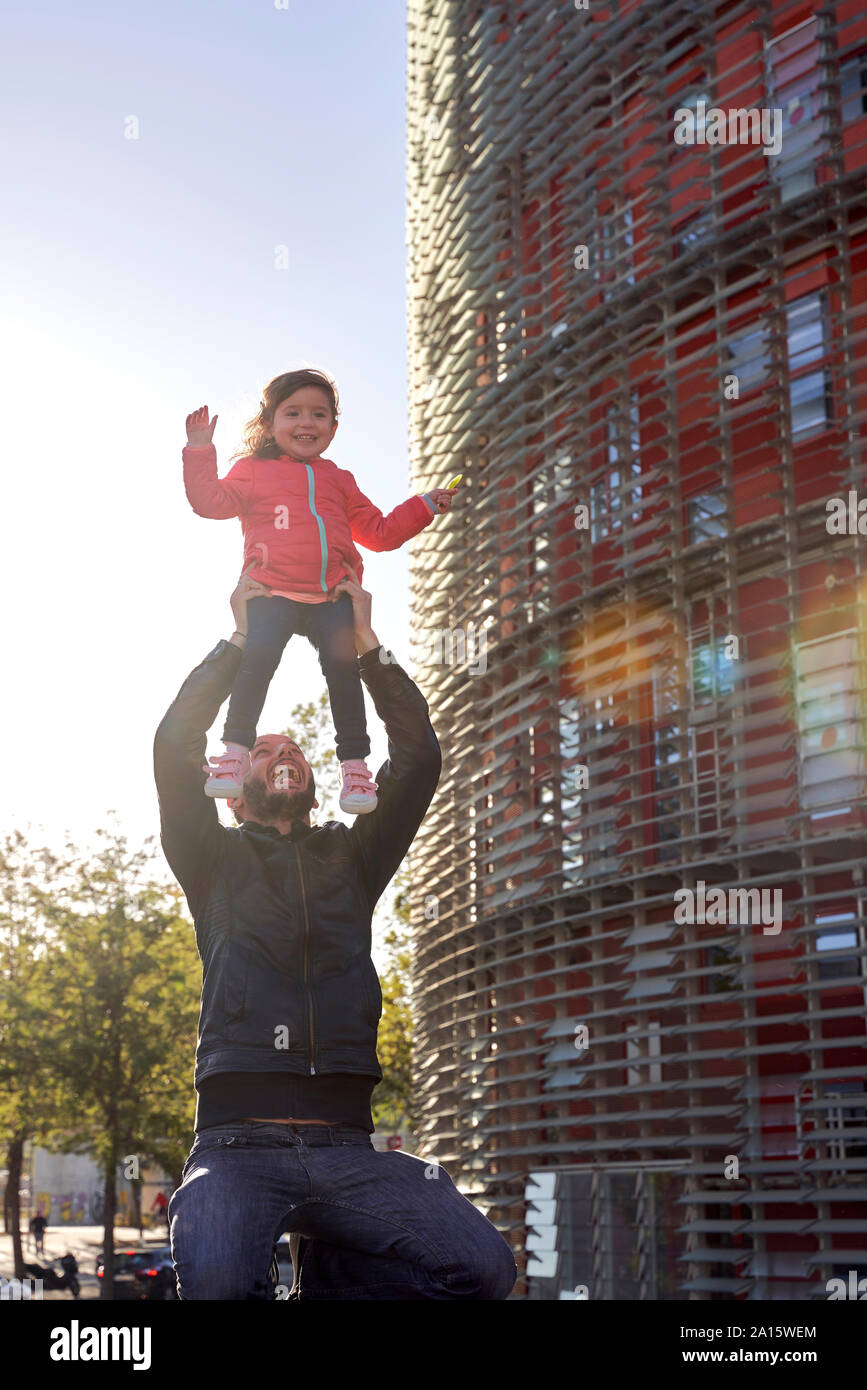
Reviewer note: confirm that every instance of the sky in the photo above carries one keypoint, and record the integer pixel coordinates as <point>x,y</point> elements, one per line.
<point>140,280</point>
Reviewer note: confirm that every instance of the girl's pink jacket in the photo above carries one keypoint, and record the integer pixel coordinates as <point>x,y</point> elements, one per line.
<point>299,519</point>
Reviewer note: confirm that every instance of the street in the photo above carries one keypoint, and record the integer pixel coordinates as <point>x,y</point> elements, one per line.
<point>85,1243</point>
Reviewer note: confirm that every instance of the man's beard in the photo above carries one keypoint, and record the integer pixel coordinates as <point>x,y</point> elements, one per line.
<point>266,806</point>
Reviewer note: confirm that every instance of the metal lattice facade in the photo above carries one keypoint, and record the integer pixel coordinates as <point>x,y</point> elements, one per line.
<point>643,649</point>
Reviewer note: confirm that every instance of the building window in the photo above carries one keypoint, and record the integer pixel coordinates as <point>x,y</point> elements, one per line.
<point>826,684</point>
<point>614,259</point>
<point>713,673</point>
<point>668,742</point>
<point>505,336</point>
<point>564,479</point>
<point>615,496</point>
<point>698,100</point>
<point>666,782</point>
<point>749,358</point>
<point>795,82</point>
<point>571,797</point>
<point>837,932</point>
<point>541,590</point>
<point>646,1048</point>
<point>847,1119</point>
<point>853,87</point>
<point>695,231</point>
<point>719,974</point>
<point>807,343</point>
<point>706,518</point>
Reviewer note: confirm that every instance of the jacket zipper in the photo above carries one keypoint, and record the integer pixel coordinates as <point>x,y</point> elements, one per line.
<point>306,956</point>
<point>323,543</point>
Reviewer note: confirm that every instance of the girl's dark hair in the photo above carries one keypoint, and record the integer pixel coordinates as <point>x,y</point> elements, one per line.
<point>257,432</point>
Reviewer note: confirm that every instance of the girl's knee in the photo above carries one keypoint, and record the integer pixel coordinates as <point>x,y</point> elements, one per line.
<point>339,653</point>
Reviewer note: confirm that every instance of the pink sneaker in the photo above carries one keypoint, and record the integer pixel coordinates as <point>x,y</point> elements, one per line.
<point>228,772</point>
<point>357,787</point>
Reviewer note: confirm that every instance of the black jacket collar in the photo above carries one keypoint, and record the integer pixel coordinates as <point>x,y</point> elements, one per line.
<point>298,832</point>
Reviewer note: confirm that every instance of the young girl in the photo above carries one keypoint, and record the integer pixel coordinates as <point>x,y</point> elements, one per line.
<point>300,515</point>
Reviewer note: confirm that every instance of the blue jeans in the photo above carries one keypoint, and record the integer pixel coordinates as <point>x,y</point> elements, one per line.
<point>330,627</point>
<point>373,1225</point>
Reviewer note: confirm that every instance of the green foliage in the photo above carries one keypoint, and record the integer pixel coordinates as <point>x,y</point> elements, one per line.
<point>27,1101</point>
<point>392,1099</point>
<point>122,979</point>
<point>99,1003</point>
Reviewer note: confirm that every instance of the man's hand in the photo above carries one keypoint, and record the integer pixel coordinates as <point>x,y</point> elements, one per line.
<point>365,637</point>
<point>199,431</point>
<point>245,589</point>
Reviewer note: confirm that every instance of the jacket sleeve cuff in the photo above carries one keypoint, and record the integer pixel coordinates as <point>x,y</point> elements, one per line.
<point>372,658</point>
<point>222,647</point>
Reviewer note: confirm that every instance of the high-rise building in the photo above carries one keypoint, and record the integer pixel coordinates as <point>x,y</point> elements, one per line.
<point>637,289</point>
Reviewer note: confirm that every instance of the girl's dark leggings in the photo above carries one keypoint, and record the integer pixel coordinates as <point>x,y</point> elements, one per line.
<point>271,621</point>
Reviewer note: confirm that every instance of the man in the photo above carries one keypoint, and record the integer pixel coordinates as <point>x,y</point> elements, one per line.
<point>37,1232</point>
<point>161,1202</point>
<point>286,1057</point>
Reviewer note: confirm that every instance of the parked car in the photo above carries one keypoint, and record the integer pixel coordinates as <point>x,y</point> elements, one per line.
<point>155,1276</point>
<point>140,1271</point>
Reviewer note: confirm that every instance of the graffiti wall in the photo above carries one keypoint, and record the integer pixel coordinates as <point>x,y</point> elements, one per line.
<point>67,1189</point>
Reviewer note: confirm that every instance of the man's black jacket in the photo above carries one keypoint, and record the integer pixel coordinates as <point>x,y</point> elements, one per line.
<point>283,922</point>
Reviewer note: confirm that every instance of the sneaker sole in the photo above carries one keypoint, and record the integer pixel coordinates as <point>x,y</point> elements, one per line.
<point>222,789</point>
<point>358,805</point>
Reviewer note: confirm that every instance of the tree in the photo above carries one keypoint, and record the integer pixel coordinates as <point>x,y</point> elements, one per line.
<point>393,1097</point>
<point>119,990</point>
<point>27,1090</point>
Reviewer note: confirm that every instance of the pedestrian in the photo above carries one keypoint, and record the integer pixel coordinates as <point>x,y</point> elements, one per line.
<point>161,1202</point>
<point>286,1056</point>
<point>37,1232</point>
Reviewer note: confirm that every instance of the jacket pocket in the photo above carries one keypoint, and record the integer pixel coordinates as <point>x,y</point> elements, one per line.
<point>235,993</point>
<point>372,992</point>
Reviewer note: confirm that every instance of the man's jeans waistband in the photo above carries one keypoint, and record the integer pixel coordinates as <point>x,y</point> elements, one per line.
<point>267,1133</point>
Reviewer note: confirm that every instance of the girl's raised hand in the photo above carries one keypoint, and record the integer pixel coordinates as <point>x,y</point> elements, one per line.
<point>442,498</point>
<point>199,430</point>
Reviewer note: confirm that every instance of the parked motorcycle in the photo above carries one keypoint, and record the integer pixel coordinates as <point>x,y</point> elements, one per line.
<point>51,1279</point>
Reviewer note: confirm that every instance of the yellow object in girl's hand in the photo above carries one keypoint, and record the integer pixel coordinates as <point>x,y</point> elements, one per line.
<point>450,487</point>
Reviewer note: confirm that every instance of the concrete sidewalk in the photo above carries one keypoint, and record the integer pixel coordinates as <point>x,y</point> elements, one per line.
<point>85,1242</point>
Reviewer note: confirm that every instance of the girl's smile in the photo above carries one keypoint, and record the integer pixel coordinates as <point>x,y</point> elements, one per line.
<point>302,425</point>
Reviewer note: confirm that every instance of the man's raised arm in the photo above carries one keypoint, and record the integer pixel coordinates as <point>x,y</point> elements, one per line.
<point>190,830</point>
<point>407,781</point>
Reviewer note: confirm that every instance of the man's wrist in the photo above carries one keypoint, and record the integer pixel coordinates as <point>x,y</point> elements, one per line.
<point>366,641</point>
<point>238,639</point>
